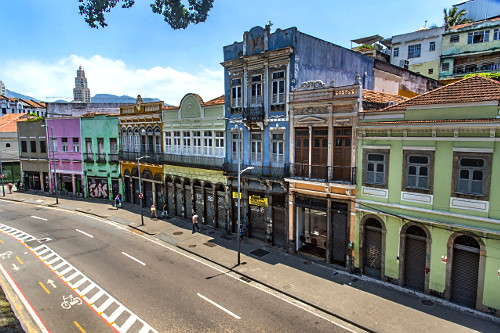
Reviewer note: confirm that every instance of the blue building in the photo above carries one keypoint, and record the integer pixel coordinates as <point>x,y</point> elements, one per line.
<point>260,73</point>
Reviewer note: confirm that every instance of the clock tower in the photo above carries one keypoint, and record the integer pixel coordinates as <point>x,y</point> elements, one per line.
<point>81,92</point>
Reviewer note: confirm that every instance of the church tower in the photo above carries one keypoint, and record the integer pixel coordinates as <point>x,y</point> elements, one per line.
<point>81,93</point>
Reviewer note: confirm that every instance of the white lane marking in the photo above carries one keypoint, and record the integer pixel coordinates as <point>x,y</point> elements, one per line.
<point>25,302</point>
<point>128,255</point>
<point>38,218</point>
<point>83,232</point>
<point>219,306</point>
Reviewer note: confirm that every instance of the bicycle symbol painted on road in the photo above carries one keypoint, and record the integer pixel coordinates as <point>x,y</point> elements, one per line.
<point>69,301</point>
<point>5,255</point>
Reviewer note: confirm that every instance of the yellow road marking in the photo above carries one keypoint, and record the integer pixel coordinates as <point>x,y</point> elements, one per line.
<point>1,241</point>
<point>46,290</point>
<point>79,327</point>
<point>19,260</point>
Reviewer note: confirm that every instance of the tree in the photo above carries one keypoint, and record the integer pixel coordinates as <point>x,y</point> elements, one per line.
<point>454,17</point>
<point>173,11</point>
<point>493,76</point>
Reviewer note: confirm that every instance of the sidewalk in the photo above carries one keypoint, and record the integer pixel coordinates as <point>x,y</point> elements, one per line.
<point>372,304</point>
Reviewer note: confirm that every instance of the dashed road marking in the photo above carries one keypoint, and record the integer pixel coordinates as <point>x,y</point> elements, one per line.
<point>219,306</point>
<point>20,261</point>
<point>128,255</point>
<point>76,280</point>
<point>44,288</point>
<point>79,327</point>
<point>38,218</point>
<point>83,232</point>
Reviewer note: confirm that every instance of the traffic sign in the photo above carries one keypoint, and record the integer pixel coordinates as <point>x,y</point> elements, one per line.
<point>141,195</point>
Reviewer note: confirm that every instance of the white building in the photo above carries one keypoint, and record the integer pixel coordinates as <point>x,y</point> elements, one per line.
<point>418,51</point>
<point>16,105</point>
<point>81,92</point>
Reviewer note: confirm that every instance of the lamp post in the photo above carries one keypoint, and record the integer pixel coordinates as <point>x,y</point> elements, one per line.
<point>140,189</point>
<point>239,190</point>
<point>1,175</point>
<point>53,160</point>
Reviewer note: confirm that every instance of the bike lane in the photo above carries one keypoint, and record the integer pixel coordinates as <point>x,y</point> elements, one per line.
<point>56,307</point>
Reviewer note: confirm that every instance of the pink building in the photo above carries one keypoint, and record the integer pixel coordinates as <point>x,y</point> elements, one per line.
<point>65,152</point>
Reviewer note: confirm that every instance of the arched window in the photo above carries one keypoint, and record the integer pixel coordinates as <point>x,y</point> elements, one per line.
<point>157,140</point>
<point>7,145</point>
<point>130,140</point>
<point>124,140</point>
<point>137,141</point>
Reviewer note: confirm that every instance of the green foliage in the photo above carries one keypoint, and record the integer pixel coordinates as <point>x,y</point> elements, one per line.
<point>33,117</point>
<point>493,76</point>
<point>453,17</point>
<point>174,12</point>
<point>366,47</point>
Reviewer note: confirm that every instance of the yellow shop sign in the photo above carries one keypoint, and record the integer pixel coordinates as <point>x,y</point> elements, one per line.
<point>257,201</point>
<point>235,195</point>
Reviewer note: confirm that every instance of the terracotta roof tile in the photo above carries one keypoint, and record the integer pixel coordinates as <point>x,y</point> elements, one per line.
<point>472,89</point>
<point>170,107</point>
<point>455,27</point>
<point>381,97</point>
<point>216,101</point>
<point>8,123</point>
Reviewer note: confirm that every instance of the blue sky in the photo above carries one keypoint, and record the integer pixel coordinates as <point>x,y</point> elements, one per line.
<point>138,53</point>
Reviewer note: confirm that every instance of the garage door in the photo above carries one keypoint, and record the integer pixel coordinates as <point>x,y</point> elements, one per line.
<point>178,197</point>
<point>372,252</point>
<point>415,257</point>
<point>221,210</point>
<point>464,277</point>
<point>189,201</point>
<point>209,207</point>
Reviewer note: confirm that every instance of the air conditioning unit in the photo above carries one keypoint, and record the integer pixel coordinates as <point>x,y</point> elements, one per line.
<point>404,64</point>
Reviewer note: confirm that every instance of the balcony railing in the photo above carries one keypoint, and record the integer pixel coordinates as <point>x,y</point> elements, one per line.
<point>324,173</point>
<point>114,158</point>
<point>253,113</point>
<point>88,157</point>
<point>259,171</point>
<point>101,158</point>
<point>211,162</point>
<point>153,158</point>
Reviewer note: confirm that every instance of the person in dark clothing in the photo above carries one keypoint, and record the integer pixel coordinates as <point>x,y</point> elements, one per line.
<point>195,221</point>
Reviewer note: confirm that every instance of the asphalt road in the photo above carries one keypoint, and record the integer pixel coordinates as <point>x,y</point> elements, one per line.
<point>126,279</point>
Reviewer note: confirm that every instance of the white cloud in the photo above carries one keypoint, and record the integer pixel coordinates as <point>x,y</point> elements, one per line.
<point>43,80</point>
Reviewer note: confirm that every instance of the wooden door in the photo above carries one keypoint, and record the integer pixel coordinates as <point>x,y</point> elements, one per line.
<point>342,154</point>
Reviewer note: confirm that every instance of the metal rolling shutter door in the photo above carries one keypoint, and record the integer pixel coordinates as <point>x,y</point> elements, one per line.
<point>209,207</point>
<point>257,222</point>
<point>178,197</point>
<point>414,273</point>
<point>221,210</point>
<point>198,196</point>
<point>339,236</point>
<point>372,251</point>
<point>464,276</point>
<point>170,199</point>
<point>189,201</point>
<point>279,226</point>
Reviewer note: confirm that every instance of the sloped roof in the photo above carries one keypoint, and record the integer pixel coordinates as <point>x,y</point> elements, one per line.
<point>216,101</point>
<point>170,107</point>
<point>381,97</point>
<point>472,89</point>
<point>8,123</point>
<point>455,27</point>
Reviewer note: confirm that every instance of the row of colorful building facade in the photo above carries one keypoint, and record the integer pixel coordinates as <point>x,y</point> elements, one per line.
<point>404,193</point>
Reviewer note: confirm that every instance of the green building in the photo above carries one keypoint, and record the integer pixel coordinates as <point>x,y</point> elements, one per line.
<point>101,167</point>
<point>426,203</point>
<point>193,157</point>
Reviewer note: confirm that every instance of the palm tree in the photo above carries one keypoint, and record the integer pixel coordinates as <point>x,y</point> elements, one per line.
<point>454,17</point>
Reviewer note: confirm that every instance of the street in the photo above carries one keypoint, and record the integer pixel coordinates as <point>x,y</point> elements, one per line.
<point>82,273</point>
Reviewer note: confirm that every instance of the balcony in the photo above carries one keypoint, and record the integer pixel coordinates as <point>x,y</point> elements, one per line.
<point>101,158</point>
<point>132,156</point>
<point>259,171</point>
<point>254,113</point>
<point>114,158</point>
<point>209,162</point>
<point>324,173</point>
<point>88,157</point>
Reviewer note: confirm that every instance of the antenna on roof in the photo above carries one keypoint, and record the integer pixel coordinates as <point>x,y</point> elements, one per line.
<point>425,24</point>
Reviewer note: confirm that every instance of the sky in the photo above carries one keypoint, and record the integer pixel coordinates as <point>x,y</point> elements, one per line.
<point>44,42</point>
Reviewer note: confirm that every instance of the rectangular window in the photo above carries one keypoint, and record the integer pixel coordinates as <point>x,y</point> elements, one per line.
<point>496,34</point>
<point>88,145</point>
<point>168,142</point>
<point>33,146</point>
<point>76,145</point>
<point>430,71</point>
<point>256,148</point>
<point>478,37</point>
<point>113,145</point>
<point>235,140</point>
<point>196,143</point>
<point>445,66</point>
<point>64,144</point>
<point>256,90</point>
<point>219,144</point>
<point>471,175</point>
<point>454,39</point>
<point>176,147</point>
<point>375,169</point>
<point>417,172</point>
<point>278,95</point>
<point>54,144</point>
<point>432,46</point>
<point>100,145</point>
<point>236,99</point>
<point>396,52</point>
<point>277,149</point>
<point>43,147</point>
<point>414,51</point>
<point>186,142</point>
<point>207,143</point>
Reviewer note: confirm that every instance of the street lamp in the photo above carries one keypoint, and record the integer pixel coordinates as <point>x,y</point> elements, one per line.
<point>53,160</point>
<point>1,175</point>
<point>140,189</point>
<point>239,190</point>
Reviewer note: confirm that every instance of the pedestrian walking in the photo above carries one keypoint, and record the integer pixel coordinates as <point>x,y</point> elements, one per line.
<point>117,201</point>
<point>153,210</point>
<point>164,211</point>
<point>195,222</point>
<point>10,188</point>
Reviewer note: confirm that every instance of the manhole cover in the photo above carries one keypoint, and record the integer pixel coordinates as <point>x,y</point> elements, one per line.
<point>211,232</point>
<point>209,244</point>
<point>177,233</point>
<point>192,245</point>
<point>307,262</point>
<point>259,252</point>
<point>427,302</point>
<point>225,237</point>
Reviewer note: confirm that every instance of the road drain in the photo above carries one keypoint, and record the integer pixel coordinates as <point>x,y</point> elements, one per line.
<point>209,244</point>
<point>177,233</point>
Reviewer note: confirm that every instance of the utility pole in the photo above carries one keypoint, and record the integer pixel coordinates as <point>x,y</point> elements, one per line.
<point>53,160</point>
<point>1,175</point>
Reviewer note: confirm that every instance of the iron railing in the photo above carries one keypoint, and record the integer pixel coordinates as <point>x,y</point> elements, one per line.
<point>114,158</point>
<point>324,173</point>
<point>254,113</point>
<point>88,157</point>
<point>101,158</point>
<point>190,160</point>
<point>153,158</point>
<point>259,171</point>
